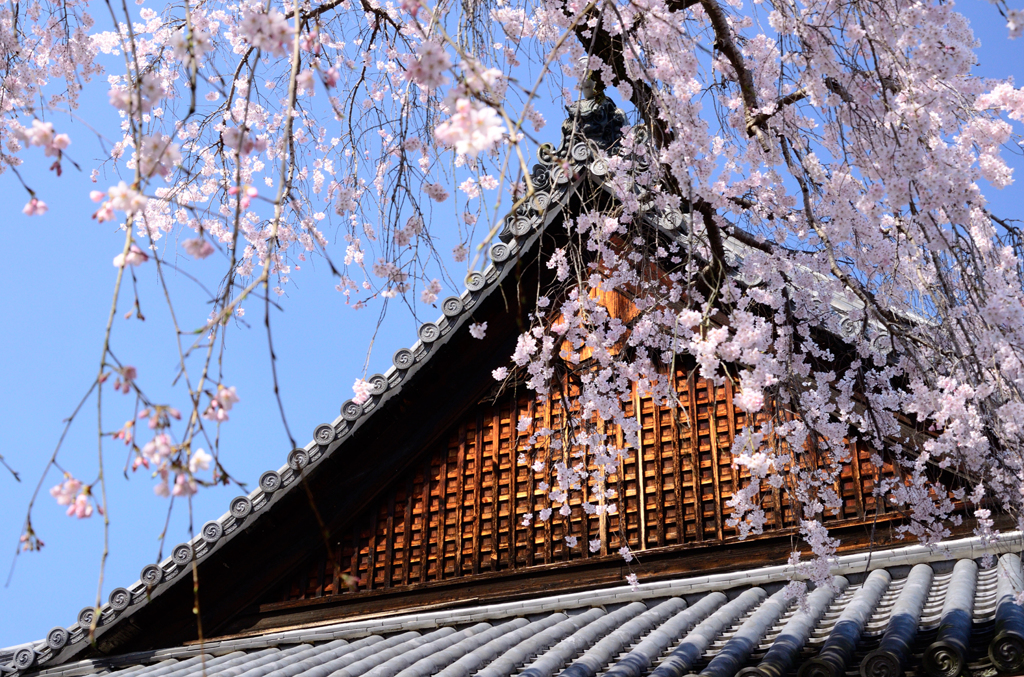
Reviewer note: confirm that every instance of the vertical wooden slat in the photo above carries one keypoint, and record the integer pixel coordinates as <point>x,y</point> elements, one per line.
<point>336,574</point>
<point>371,565</point>
<point>495,488</point>
<point>513,477</point>
<point>549,548</point>
<point>677,462</point>
<point>641,495</point>
<point>389,539</point>
<point>407,530</point>
<point>602,523</point>
<point>659,486</point>
<point>478,490</point>
<point>545,499</point>
<point>730,417</point>
<point>698,490</point>
<point>858,488</point>
<point>715,470</point>
<point>354,571</point>
<point>425,523</point>
<point>460,487</point>
<point>620,499</point>
<point>442,512</point>
<point>530,529</point>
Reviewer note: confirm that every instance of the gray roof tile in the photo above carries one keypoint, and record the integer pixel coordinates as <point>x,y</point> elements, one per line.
<point>917,613</point>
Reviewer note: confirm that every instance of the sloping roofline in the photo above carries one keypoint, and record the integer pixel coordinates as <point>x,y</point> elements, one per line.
<point>523,225</point>
<point>592,125</point>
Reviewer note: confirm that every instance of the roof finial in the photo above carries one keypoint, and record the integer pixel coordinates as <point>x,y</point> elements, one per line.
<point>588,87</point>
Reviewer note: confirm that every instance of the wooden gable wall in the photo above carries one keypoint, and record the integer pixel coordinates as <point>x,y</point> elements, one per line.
<point>458,513</point>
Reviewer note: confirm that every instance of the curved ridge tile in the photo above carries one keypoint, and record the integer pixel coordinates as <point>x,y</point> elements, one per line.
<point>688,653</point>
<point>838,649</point>
<point>556,656</point>
<point>370,648</point>
<point>737,650</point>
<point>506,664</point>
<point>786,647</point>
<point>481,655</point>
<point>599,655</point>
<point>378,657</point>
<point>947,655</point>
<point>212,667</point>
<point>891,656</point>
<point>157,669</point>
<point>655,644</point>
<point>1006,651</point>
<point>325,653</point>
<point>405,659</point>
<point>268,657</point>
<point>282,659</point>
<point>439,660</point>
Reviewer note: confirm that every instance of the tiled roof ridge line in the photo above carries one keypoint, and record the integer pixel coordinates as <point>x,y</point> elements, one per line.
<point>971,547</point>
<point>553,187</point>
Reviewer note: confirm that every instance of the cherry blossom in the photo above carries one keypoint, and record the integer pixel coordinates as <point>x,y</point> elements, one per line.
<point>362,389</point>
<point>34,207</point>
<point>200,460</point>
<point>829,247</point>
<point>134,257</point>
<point>198,247</point>
<point>474,128</point>
<point>268,31</point>
<point>221,404</point>
<point>126,375</point>
<point>66,491</point>
<point>428,67</point>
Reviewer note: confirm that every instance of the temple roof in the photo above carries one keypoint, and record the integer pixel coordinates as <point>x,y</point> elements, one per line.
<point>592,128</point>
<point>913,611</point>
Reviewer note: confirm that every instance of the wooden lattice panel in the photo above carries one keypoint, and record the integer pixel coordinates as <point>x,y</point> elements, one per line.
<point>460,511</point>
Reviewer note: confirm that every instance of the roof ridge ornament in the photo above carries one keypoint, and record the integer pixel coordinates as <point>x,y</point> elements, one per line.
<point>593,118</point>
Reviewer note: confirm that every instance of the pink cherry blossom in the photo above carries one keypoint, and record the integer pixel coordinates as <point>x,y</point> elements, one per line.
<point>81,508</point>
<point>248,193</point>
<point>474,128</point>
<point>124,198</point>
<point>184,486</point>
<point>435,191</point>
<point>362,389</point>
<point>198,247</point>
<point>268,31</point>
<point>200,460</point>
<point>66,491</point>
<point>243,140</point>
<point>34,207</point>
<point>1015,22</point>
<point>187,45</point>
<point>478,330</point>
<point>126,375</point>
<point>428,67</point>
<point>135,257</point>
<point>221,404</point>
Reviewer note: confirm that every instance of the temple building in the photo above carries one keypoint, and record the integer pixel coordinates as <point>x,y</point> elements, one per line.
<point>394,543</point>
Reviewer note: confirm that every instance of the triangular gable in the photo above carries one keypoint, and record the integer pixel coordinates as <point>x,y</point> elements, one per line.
<point>349,498</point>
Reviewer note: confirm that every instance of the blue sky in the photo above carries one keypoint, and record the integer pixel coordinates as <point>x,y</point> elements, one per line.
<point>59,281</point>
